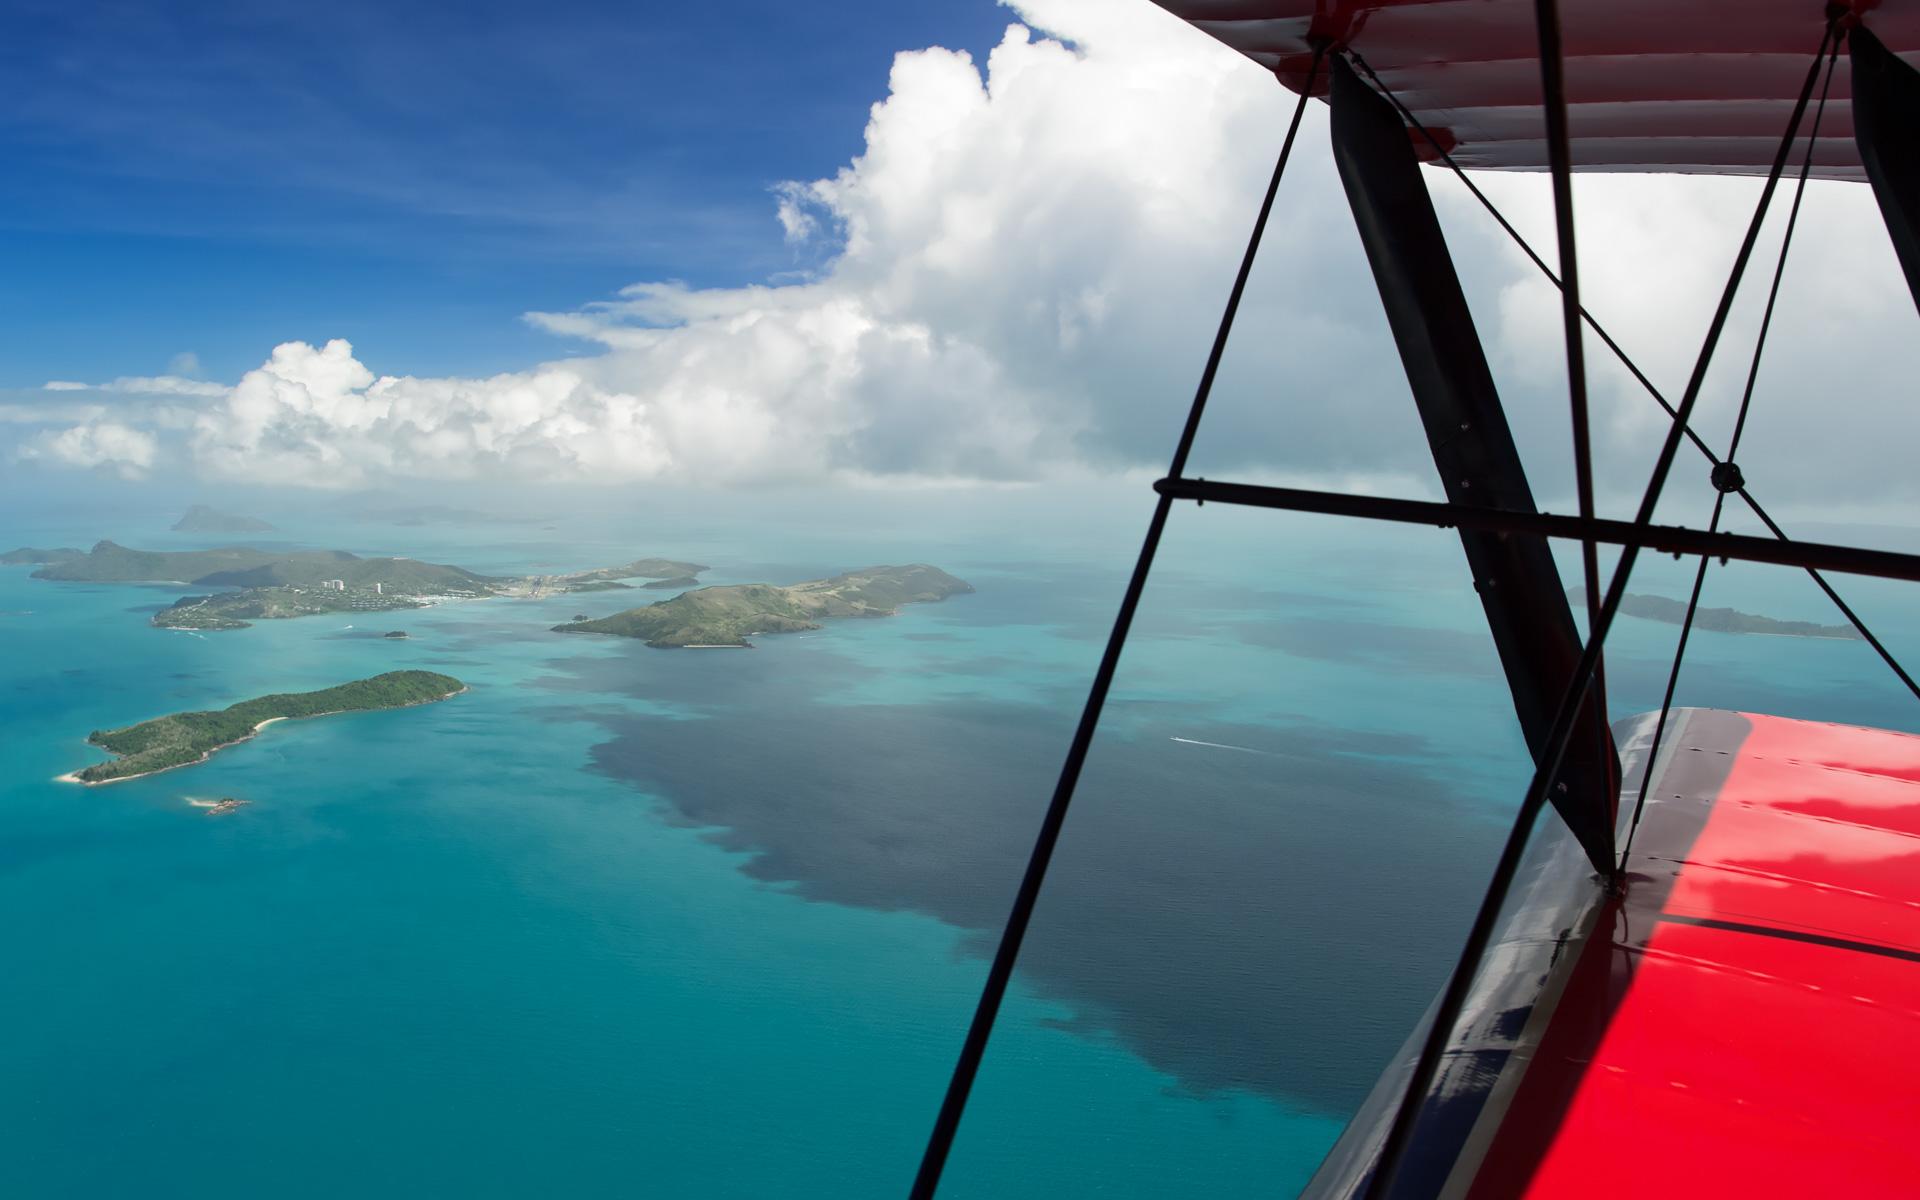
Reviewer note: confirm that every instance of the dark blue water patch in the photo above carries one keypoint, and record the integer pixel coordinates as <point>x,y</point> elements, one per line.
<point>1272,916</point>
<point>1430,651</point>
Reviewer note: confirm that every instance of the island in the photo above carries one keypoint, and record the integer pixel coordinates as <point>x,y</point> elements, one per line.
<point>1669,611</point>
<point>261,584</point>
<point>220,807</point>
<point>34,555</point>
<point>398,635</point>
<point>730,614</point>
<point>184,739</point>
<point>201,519</point>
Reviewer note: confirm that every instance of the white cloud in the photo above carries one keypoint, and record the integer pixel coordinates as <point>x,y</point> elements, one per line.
<point>1023,271</point>
<point>318,417</point>
<point>141,385</point>
<point>98,444</point>
<point>184,363</point>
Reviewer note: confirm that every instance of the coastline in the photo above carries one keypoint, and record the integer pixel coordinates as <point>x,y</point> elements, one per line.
<point>74,775</point>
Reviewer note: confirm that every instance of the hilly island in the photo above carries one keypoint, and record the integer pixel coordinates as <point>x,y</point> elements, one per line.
<point>274,584</point>
<point>201,519</point>
<point>1669,611</point>
<point>729,615</point>
<point>183,739</point>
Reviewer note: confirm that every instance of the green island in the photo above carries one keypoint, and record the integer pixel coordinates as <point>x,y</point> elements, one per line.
<point>35,555</point>
<point>729,615</point>
<point>1669,611</point>
<point>263,585</point>
<point>201,519</point>
<point>183,739</point>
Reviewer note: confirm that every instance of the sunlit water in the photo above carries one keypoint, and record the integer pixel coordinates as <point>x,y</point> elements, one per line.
<point>631,922</point>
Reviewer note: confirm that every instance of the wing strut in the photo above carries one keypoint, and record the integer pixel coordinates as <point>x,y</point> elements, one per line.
<point>1472,446</point>
<point>1886,111</point>
<point>946,1125</point>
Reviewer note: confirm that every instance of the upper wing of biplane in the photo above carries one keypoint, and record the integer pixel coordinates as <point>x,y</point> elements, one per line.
<point>1704,86</point>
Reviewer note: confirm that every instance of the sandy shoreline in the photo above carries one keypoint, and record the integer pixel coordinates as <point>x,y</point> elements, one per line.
<point>74,776</point>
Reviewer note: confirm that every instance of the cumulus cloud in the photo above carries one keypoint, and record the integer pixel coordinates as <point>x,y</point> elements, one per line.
<point>319,417</point>
<point>98,444</point>
<point>1020,276</point>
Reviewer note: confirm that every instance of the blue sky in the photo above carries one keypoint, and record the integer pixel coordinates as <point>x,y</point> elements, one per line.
<point>346,213</point>
<point>215,178</point>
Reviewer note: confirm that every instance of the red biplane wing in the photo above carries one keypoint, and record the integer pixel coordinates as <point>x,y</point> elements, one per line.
<point>1700,87</point>
<point>1744,1021</point>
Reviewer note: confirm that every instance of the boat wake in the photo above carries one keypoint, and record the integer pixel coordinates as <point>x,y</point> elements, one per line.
<point>1223,746</point>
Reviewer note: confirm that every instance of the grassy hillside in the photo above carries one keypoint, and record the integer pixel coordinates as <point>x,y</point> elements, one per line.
<point>243,566</point>
<point>34,554</point>
<point>729,615</point>
<point>644,568</point>
<point>182,738</point>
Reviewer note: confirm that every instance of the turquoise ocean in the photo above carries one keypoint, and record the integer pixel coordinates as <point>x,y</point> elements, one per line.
<point>626,922</point>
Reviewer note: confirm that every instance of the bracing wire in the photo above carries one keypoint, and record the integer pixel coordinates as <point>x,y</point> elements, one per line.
<point>1728,475</point>
<point>1560,163</point>
<point>1625,360</point>
<point>1546,771</point>
<point>1000,974</point>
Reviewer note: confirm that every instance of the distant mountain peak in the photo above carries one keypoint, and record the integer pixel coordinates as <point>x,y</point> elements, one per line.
<point>204,519</point>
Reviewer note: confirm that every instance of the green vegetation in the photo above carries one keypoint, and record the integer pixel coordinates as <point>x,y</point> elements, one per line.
<point>1718,620</point>
<point>672,585</point>
<point>191,737</point>
<point>244,566</point>
<point>201,519</point>
<point>728,616</point>
<point>272,585</point>
<point>33,554</point>
<point>237,610</point>
<point>645,568</point>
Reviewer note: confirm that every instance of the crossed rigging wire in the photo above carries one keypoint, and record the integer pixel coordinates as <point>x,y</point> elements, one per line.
<point>1601,609</point>
<point>1546,770</point>
<point>1726,475</point>
<point>1640,377</point>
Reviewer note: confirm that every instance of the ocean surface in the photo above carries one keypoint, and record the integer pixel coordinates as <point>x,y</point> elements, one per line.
<point>631,922</point>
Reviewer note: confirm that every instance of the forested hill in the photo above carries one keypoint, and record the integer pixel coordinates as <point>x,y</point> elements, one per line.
<point>190,737</point>
<point>244,566</point>
<point>728,615</point>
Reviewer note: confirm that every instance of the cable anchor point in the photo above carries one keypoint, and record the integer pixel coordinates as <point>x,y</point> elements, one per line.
<point>1727,477</point>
